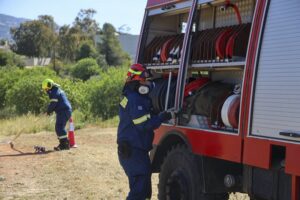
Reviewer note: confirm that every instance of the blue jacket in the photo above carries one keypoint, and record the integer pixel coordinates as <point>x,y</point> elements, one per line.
<point>58,101</point>
<point>136,121</point>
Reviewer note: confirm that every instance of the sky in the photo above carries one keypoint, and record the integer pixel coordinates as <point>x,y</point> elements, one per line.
<point>117,12</point>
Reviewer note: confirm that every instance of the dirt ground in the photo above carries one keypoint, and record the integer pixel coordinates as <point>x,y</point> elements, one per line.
<point>91,171</point>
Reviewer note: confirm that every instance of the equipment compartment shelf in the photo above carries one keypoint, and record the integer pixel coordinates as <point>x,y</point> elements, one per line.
<point>162,66</point>
<point>223,65</point>
<point>211,65</point>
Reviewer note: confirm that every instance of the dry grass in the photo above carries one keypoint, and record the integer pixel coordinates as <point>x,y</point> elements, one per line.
<point>36,123</point>
<point>107,123</point>
<point>91,171</point>
<point>26,124</point>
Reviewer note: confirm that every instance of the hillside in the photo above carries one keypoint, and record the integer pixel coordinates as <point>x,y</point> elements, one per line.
<point>7,22</point>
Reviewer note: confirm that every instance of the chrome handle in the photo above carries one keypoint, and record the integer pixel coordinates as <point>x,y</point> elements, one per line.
<point>290,134</point>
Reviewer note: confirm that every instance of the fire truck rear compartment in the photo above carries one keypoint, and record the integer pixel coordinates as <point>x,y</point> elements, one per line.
<point>218,51</point>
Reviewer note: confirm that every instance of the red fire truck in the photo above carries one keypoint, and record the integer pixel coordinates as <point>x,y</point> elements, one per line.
<point>230,69</point>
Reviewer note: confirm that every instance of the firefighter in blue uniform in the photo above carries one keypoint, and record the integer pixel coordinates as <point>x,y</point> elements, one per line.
<point>59,104</point>
<point>135,132</point>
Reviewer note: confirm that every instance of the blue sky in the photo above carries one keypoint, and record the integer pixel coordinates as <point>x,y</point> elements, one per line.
<point>117,12</point>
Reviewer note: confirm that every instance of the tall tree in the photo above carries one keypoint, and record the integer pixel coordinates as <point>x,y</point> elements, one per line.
<point>69,41</point>
<point>85,22</point>
<point>110,46</point>
<point>48,21</point>
<point>33,38</point>
<point>86,50</point>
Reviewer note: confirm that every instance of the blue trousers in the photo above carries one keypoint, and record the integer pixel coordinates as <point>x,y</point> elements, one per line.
<point>62,118</point>
<point>137,167</point>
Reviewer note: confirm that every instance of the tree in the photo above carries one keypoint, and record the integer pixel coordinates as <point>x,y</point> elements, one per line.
<point>85,22</point>
<point>86,50</point>
<point>48,21</point>
<point>111,47</point>
<point>68,42</point>
<point>33,39</point>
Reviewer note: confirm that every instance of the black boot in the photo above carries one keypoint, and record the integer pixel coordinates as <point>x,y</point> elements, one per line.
<point>63,145</point>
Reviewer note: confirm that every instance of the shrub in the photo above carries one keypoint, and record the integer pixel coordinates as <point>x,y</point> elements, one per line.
<point>27,96</point>
<point>76,91</point>
<point>39,71</point>
<point>85,68</point>
<point>8,78</point>
<point>21,93</point>
<point>56,65</point>
<point>65,69</point>
<point>101,61</point>
<point>79,119</point>
<point>104,94</point>
<point>10,59</point>
<point>23,89</point>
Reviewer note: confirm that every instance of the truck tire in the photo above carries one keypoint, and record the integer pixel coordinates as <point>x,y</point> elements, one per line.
<point>179,178</point>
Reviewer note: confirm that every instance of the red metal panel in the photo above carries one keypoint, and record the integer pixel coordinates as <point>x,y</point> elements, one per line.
<point>217,145</point>
<point>295,188</point>
<point>257,153</point>
<point>250,65</point>
<point>292,159</point>
<point>154,3</point>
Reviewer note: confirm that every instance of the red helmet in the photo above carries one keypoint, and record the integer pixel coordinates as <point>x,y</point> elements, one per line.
<point>137,72</point>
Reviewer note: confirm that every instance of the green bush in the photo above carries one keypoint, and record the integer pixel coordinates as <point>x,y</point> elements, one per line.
<point>85,68</point>
<point>21,89</point>
<point>101,61</point>
<point>21,93</point>
<point>9,76</point>
<point>10,59</point>
<point>65,69</point>
<point>57,66</point>
<point>39,71</point>
<point>76,91</point>
<point>79,119</point>
<point>104,94</point>
<point>27,96</point>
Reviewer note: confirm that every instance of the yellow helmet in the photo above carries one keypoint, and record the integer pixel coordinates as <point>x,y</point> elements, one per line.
<point>47,84</point>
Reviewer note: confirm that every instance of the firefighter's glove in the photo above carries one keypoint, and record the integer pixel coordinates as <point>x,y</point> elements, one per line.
<point>165,116</point>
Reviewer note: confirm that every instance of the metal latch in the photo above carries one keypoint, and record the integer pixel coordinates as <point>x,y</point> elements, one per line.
<point>290,134</point>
